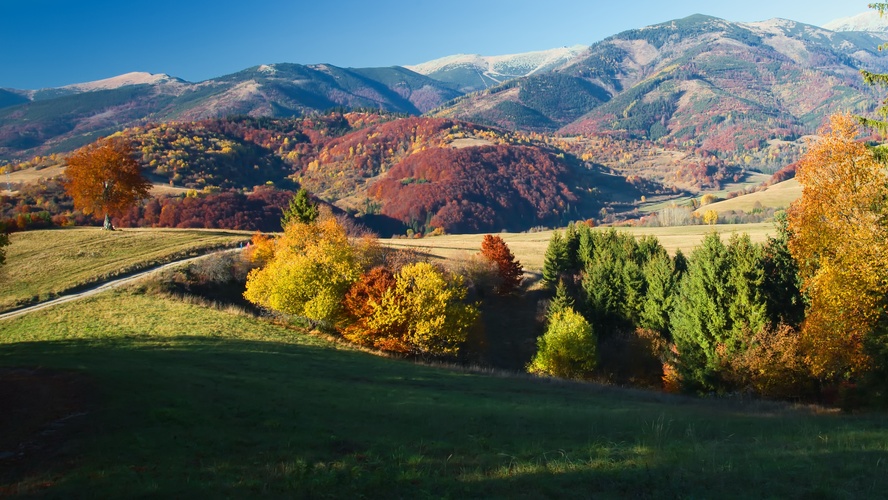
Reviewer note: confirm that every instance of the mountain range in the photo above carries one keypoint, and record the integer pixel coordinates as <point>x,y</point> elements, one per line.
<point>728,88</point>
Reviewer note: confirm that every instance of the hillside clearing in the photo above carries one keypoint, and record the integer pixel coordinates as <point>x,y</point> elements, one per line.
<point>41,264</point>
<point>780,195</point>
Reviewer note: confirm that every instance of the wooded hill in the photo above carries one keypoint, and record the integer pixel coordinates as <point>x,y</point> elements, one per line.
<point>420,173</point>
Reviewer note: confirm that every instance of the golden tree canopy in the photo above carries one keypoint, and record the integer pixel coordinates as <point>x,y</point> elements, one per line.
<point>105,179</point>
<point>839,237</point>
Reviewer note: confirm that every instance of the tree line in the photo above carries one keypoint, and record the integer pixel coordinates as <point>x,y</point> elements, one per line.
<point>800,316</point>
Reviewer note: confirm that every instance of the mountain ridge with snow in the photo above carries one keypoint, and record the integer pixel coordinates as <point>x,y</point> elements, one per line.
<point>869,22</point>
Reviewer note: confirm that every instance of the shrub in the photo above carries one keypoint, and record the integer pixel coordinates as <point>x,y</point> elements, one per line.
<point>567,349</point>
<point>312,268</point>
<point>774,364</point>
<point>423,313</point>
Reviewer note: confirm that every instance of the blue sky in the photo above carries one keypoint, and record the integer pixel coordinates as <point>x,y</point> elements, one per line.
<point>50,43</point>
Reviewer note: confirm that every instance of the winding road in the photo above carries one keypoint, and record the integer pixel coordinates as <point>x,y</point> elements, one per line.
<point>103,287</point>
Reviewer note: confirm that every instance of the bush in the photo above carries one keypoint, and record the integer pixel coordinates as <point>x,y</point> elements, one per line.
<point>567,349</point>
<point>424,311</point>
<point>774,365</point>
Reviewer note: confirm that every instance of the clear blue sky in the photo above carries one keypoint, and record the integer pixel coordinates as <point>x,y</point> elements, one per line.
<point>48,43</point>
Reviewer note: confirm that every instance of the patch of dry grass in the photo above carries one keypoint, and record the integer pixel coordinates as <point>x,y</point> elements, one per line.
<point>41,264</point>
<point>779,195</point>
<point>530,248</point>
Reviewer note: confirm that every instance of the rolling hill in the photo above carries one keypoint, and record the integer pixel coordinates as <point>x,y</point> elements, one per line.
<point>394,173</point>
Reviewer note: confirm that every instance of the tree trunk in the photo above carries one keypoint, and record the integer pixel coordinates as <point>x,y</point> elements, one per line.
<point>108,226</point>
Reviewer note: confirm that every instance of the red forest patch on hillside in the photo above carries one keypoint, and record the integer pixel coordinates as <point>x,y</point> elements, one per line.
<point>477,189</point>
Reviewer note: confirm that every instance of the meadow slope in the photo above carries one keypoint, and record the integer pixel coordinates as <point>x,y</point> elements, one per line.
<point>43,264</point>
<point>168,398</point>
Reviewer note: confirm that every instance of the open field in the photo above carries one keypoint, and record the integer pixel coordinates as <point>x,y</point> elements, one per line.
<point>780,195</point>
<point>41,264</point>
<point>530,248</point>
<point>169,399</point>
<point>33,175</point>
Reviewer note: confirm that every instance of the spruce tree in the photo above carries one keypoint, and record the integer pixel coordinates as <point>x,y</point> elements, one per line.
<point>561,302</point>
<point>719,303</point>
<point>661,279</point>
<point>556,259</point>
<point>301,209</point>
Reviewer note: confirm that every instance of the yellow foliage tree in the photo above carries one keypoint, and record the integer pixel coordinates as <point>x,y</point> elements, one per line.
<point>710,217</point>
<point>312,266</point>
<point>425,309</point>
<point>567,349</point>
<point>839,236</point>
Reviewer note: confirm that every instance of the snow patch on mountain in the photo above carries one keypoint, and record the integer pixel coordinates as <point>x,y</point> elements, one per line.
<point>869,21</point>
<point>134,78</point>
<point>500,68</point>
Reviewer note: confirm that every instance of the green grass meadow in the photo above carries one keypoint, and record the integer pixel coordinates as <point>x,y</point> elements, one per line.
<point>189,401</point>
<point>42,264</point>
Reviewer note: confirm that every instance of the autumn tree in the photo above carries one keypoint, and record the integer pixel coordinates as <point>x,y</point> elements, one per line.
<point>105,179</point>
<point>312,267</point>
<point>567,349</point>
<point>4,241</point>
<point>710,217</point>
<point>510,270</point>
<point>839,237</point>
<point>424,313</point>
<point>361,302</point>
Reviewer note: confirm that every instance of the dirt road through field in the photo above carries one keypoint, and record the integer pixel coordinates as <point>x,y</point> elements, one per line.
<point>103,287</point>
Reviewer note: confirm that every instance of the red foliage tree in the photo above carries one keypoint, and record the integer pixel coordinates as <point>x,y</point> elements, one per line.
<point>477,189</point>
<point>510,270</point>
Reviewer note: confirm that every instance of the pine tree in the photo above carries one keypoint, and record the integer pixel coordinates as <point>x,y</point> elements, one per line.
<point>877,80</point>
<point>301,209</point>
<point>719,303</point>
<point>561,302</point>
<point>572,242</point>
<point>658,302</point>
<point>556,259</point>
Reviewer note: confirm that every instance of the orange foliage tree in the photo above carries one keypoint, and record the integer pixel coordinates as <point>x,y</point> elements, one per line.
<point>105,179</point>
<point>839,237</point>
<point>510,270</point>
<point>360,303</point>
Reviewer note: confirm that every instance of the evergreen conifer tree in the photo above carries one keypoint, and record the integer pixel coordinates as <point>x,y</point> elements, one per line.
<point>556,259</point>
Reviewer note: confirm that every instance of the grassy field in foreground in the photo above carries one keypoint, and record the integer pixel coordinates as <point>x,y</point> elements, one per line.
<point>40,264</point>
<point>193,402</point>
<point>530,248</point>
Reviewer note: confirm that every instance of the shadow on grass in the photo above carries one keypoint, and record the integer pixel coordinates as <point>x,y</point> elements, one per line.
<point>183,415</point>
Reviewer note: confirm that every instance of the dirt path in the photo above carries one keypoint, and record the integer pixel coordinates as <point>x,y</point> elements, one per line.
<point>103,287</point>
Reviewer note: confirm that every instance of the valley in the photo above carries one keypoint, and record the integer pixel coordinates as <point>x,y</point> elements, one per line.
<point>650,263</point>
